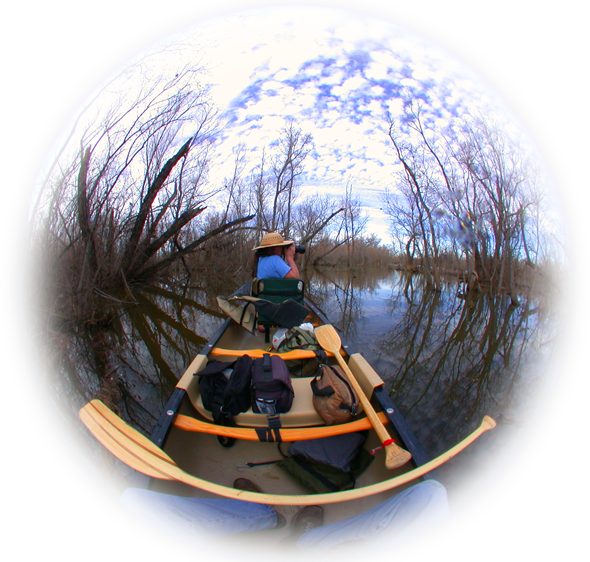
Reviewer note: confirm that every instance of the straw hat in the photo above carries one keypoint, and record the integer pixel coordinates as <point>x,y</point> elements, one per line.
<point>273,239</point>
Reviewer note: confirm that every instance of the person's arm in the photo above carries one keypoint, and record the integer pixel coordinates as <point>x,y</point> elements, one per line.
<point>290,260</point>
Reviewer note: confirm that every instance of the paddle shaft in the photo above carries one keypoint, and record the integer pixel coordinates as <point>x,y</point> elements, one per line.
<point>395,456</point>
<point>129,446</point>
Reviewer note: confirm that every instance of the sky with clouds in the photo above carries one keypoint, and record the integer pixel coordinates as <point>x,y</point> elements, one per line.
<point>338,75</point>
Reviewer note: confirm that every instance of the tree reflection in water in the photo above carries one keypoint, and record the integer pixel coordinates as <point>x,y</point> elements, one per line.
<point>447,358</point>
<point>133,360</point>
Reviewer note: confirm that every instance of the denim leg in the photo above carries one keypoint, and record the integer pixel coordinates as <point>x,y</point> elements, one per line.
<point>216,517</point>
<point>409,514</point>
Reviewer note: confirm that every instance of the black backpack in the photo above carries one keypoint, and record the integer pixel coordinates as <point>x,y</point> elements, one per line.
<point>223,397</point>
<point>272,391</point>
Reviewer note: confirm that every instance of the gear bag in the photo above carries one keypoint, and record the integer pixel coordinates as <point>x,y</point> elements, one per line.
<point>298,338</point>
<point>329,464</point>
<point>226,397</point>
<point>272,391</point>
<point>334,399</point>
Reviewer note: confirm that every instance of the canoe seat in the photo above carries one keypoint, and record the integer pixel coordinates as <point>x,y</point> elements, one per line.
<point>302,412</point>
<point>276,291</point>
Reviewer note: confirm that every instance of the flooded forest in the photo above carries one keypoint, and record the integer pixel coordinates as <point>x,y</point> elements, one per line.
<point>136,240</point>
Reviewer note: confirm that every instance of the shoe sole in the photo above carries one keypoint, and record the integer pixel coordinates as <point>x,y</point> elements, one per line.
<point>281,544</point>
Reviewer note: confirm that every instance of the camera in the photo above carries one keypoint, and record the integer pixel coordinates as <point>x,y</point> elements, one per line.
<point>299,249</point>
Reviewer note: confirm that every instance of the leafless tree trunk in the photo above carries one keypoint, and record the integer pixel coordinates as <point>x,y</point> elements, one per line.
<point>354,224</point>
<point>293,148</point>
<point>414,174</point>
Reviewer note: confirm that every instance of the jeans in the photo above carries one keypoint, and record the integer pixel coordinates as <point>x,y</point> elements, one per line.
<point>404,516</point>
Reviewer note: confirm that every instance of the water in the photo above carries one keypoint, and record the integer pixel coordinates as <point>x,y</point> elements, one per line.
<point>446,357</point>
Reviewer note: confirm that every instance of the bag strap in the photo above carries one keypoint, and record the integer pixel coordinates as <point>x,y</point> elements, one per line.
<point>322,392</point>
<point>266,367</point>
<point>321,356</point>
<point>224,419</point>
<point>271,433</point>
<point>219,415</point>
<point>214,367</point>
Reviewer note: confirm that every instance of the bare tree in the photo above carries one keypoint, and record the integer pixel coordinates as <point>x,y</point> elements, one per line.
<point>293,147</point>
<point>54,164</point>
<point>260,194</point>
<point>468,192</point>
<point>417,178</point>
<point>354,223</point>
<point>234,186</point>
<point>112,214</point>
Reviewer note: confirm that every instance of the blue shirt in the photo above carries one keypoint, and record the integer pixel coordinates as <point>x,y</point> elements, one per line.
<point>272,267</point>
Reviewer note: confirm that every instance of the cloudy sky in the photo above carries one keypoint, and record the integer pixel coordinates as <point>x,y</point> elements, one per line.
<point>338,75</point>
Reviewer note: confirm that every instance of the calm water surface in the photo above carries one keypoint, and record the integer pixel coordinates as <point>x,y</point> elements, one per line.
<point>447,358</point>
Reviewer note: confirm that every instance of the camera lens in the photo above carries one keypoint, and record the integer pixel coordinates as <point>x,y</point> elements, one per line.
<point>300,248</point>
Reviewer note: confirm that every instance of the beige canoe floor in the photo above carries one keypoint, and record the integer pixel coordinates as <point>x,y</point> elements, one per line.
<point>203,456</point>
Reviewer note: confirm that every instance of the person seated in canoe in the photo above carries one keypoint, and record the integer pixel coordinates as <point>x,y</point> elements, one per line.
<point>274,258</point>
<point>195,521</point>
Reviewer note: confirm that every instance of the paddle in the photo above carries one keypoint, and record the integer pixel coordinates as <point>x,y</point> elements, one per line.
<point>123,441</point>
<point>132,448</point>
<point>330,341</point>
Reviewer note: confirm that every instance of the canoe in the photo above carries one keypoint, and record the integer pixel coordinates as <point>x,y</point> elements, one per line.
<point>183,454</point>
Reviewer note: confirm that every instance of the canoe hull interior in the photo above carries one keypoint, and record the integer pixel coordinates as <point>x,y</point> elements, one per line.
<point>202,455</point>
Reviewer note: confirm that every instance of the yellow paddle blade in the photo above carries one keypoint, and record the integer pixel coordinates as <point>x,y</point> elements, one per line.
<point>113,420</point>
<point>122,440</point>
<point>328,338</point>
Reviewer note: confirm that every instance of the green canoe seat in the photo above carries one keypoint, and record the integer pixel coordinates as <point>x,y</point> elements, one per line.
<point>276,291</point>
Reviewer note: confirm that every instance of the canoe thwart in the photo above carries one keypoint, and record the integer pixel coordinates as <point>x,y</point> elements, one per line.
<point>258,353</point>
<point>188,423</point>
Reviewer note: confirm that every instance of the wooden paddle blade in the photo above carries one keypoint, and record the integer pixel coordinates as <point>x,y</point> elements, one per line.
<point>112,419</point>
<point>112,441</point>
<point>328,338</point>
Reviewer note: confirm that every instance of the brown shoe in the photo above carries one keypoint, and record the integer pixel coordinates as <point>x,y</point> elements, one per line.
<point>307,519</point>
<point>249,486</point>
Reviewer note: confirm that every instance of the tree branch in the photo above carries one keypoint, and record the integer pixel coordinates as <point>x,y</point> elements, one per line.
<point>172,258</point>
<point>147,203</point>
